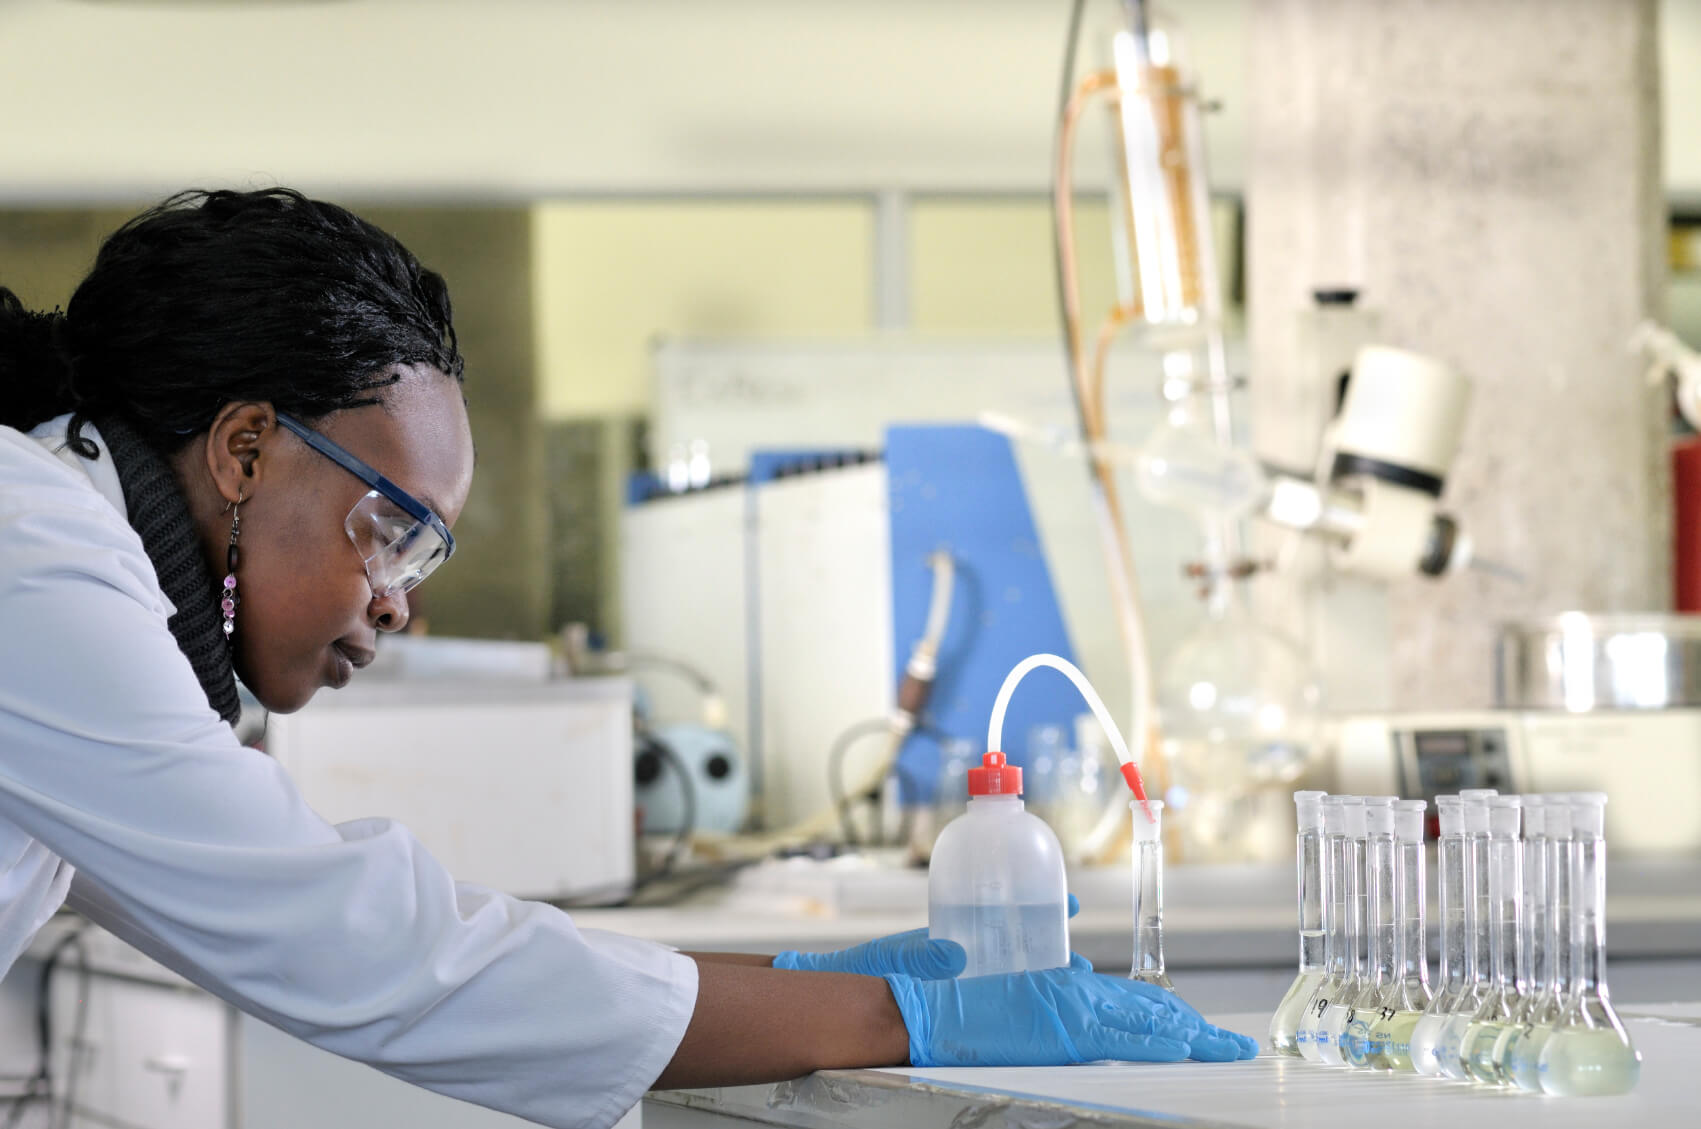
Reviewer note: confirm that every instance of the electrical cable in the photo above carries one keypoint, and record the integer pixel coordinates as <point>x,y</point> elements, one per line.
<point>698,878</point>
<point>835,771</point>
<point>687,822</point>
<point>39,1086</point>
<point>913,693</point>
<point>79,1031</point>
<point>713,705</point>
<point>836,783</point>
<point>688,825</point>
<point>700,681</point>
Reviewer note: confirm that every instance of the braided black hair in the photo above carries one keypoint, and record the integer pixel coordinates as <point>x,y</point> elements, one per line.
<point>212,297</point>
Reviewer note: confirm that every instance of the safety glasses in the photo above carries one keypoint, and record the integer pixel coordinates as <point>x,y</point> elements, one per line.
<point>400,540</point>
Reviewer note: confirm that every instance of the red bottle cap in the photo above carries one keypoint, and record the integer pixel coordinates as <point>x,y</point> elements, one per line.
<point>995,778</point>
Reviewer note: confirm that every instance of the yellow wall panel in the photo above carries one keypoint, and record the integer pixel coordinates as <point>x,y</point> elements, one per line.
<point>985,266</point>
<point>613,276</point>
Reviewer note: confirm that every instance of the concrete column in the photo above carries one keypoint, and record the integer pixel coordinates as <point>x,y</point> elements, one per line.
<point>1487,172</point>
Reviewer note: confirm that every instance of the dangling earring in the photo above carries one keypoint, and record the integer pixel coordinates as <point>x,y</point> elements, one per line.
<point>228,593</point>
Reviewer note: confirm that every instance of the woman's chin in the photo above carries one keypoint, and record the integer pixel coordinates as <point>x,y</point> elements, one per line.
<point>282,696</point>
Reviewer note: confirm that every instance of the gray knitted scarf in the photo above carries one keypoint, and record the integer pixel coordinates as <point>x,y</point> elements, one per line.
<point>160,516</point>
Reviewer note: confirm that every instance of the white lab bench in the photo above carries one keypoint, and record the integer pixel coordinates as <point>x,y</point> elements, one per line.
<point>158,1052</point>
<point>1268,1093</point>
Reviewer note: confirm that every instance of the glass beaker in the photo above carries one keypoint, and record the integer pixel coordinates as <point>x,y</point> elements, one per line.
<point>1403,1006</point>
<point>956,756</point>
<point>1589,1053</point>
<point>1068,789</point>
<point>1308,846</point>
<point>1047,747</point>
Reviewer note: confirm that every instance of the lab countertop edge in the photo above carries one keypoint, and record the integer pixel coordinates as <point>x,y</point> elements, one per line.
<point>1270,1092</point>
<point>1219,917</point>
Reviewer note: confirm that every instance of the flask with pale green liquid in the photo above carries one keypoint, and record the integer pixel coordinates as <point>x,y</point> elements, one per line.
<point>1493,1018</point>
<point>1391,1033</point>
<point>1309,844</point>
<point>1519,1049</point>
<point>1589,1053</point>
<point>1449,1043</point>
<point>1382,928</point>
<point>1338,942</point>
<point>1329,1036</point>
<point>1452,870</point>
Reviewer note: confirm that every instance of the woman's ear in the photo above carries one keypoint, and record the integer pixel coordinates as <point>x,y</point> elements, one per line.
<point>239,446</point>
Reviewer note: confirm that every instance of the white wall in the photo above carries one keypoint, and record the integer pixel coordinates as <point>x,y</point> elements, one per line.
<point>123,99</point>
<point>521,98</point>
<point>1680,82</point>
<point>517,98</point>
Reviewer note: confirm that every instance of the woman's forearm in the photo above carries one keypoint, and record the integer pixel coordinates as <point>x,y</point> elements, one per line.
<point>755,1024</point>
<point>753,960</point>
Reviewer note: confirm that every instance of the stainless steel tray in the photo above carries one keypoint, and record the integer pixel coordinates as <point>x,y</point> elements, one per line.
<point>1580,662</point>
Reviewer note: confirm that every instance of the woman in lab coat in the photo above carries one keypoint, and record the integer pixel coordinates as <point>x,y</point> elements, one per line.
<point>233,455</point>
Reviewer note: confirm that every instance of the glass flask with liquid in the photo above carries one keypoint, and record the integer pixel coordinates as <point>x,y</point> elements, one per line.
<point>1521,1057</point>
<point>1382,930</point>
<point>1337,945</point>
<point>1403,1006</point>
<point>1589,1053</point>
<point>1148,962</point>
<point>1331,1029</point>
<point>1478,958</point>
<point>1505,929</point>
<point>1238,705</point>
<point>1452,866</point>
<point>996,882</point>
<point>1308,846</point>
<point>1532,973</point>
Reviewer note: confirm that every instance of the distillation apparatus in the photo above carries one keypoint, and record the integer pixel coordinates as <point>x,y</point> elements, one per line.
<point>1237,700</point>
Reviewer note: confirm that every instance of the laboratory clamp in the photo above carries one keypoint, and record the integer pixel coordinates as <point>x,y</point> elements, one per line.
<point>1522,1001</point>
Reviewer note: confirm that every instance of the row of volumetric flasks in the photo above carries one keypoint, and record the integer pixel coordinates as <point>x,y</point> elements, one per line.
<point>1520,1001</point>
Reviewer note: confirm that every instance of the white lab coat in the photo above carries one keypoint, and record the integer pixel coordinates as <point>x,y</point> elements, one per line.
<point>202,854</point>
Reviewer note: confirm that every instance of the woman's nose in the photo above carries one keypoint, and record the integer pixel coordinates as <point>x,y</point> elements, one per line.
<point>389,610</point>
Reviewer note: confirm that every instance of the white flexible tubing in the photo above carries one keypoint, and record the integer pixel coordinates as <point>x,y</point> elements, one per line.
<point>939,608</point>
<point>995,728</point>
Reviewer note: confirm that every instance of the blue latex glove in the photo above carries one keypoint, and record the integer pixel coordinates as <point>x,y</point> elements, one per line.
<point>1054,1018</point>
<point>909,953</point>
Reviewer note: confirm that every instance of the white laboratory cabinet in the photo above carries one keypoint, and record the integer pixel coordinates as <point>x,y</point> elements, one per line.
<point>522,787</point>
<point>157,1053</point>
